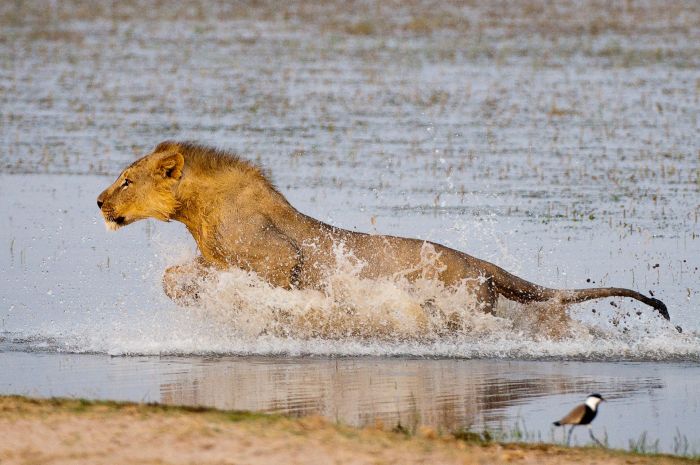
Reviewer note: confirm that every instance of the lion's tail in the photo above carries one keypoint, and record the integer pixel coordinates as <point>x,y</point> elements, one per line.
<point>514,288</point>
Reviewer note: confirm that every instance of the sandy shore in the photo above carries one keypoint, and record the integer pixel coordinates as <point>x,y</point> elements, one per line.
<point>78,432</point>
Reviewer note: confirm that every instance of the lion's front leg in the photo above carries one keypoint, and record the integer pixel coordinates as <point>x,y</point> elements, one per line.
<point>184,283</point>
<point>274,257</point>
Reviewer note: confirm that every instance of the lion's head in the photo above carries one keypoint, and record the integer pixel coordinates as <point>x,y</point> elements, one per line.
<point>145,189</point>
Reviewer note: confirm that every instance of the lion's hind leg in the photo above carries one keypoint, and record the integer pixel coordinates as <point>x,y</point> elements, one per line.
<point>485,294</point>
<point>184,283</point>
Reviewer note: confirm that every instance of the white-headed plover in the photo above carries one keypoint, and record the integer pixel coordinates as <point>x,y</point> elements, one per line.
<point>582,415</point>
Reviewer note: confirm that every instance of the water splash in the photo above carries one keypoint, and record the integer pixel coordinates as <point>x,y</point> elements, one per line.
<point>390,309</point>
<point>239,313</point>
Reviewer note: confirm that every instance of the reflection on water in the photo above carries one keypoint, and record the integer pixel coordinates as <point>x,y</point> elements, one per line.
<point>447,394</point>
<point>444,393</point>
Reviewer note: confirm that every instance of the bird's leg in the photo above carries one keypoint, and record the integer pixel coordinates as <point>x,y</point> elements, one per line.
<point>568,439</point>
<point>590,431</point>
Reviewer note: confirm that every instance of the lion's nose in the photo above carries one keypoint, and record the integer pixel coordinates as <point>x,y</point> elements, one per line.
<point>100,199</point>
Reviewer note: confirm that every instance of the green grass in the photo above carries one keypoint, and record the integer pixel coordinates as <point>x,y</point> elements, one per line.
<point>519,434</point>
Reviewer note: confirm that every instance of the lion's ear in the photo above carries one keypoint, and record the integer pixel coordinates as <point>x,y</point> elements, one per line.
<point>170,166</point>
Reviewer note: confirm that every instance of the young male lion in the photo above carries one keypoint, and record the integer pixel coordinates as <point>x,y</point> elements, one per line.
<point>239,219</point>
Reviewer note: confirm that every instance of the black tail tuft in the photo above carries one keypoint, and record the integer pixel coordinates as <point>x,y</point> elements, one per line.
<point>661,308</point>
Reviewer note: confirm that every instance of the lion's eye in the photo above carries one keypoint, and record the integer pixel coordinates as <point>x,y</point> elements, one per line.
<point>126,183</point>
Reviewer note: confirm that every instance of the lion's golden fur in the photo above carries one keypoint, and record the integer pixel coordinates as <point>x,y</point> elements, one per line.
<point>239,219</point>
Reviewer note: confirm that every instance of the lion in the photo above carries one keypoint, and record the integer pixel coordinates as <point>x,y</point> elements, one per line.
<point>239,219</point>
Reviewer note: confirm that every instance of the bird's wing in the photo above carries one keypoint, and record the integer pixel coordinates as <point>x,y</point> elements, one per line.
<point>575,416</point>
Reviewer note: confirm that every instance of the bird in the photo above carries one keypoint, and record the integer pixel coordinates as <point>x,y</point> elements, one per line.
<point>582,414</point>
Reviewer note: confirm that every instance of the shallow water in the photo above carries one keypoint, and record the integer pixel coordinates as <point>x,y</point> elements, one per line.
<point>558,144</point>
<point>507,396</point>
<point>75,293</point>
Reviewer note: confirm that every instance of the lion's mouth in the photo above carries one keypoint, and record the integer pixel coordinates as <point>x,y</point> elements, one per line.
<point>114,222</point>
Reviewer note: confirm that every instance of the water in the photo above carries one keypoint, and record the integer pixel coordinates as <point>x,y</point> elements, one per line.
<point>446,394</point>
<point>85,289</point>
<point>566,153</point>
